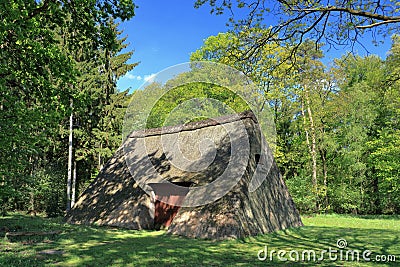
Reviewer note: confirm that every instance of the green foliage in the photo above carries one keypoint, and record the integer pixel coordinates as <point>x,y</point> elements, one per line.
<point>299,188</point>
<point>336,128</point>
<point>362,127</point>
<point>98,107</point>
<point>49,51</point>
<point>193,102</point>
<point>346,198</point>
<point>47,191</point>
<point>33,77</point>
<point>385,157</point>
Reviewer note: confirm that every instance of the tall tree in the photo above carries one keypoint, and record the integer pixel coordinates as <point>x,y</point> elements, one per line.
<point>366,129</point>
<point>267,69</point>
<point>296,92</point>
<point>36,75</point>
<point>97,120</point>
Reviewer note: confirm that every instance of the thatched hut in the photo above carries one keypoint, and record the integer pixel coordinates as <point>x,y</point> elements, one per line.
<point>147,185</point>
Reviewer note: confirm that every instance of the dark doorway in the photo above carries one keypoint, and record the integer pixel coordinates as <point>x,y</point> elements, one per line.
<point>168,192</point>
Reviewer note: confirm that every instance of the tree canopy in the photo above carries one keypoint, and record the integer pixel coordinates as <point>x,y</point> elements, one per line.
<point>332,23</point>
<point>337,127</point>
<point>337,133</point>
<point>53,54</point>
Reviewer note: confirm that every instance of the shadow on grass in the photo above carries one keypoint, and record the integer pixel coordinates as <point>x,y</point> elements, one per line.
<point>356,216</point>
<point>99,246</point>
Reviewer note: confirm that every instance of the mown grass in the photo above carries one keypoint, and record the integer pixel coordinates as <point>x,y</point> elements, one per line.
<point>100,246</point>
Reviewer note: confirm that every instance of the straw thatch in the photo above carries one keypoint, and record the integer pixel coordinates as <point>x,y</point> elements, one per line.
<point>115,199</point>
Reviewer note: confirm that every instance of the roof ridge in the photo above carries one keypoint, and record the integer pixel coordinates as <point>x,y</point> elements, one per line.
<point>248,114</point>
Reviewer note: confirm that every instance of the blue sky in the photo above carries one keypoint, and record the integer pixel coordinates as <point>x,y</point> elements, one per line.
<point>164,33</point>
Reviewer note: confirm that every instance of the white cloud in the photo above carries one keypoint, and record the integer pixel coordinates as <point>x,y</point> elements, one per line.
<point>130,76</point>
<point>145,78</point>
<point>149,78</point>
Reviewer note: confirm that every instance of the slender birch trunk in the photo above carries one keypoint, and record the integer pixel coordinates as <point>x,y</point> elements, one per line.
<point>69,179</point>
<point>313,143</point>
<point>325,173</point>
<point>73,186</point>
<point>310,147</point>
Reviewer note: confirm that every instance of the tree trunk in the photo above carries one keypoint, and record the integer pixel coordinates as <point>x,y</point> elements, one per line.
<point>69,179</point>
<point>100,165</point>
<point>73,186</point>
<point>311,146</point>
<point>31,193</point>
<point>313,143</point>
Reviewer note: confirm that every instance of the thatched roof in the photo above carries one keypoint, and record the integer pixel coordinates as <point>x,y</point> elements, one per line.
<point>115,198</point>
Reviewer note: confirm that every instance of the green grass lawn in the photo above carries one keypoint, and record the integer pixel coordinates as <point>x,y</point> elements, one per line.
<point>100,246</point>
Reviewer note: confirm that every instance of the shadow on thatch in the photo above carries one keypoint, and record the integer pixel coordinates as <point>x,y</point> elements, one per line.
<point>115,198</point>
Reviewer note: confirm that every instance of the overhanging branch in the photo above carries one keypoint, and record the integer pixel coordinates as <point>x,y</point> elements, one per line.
<point>378,24</point>
<point>354,12</point>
